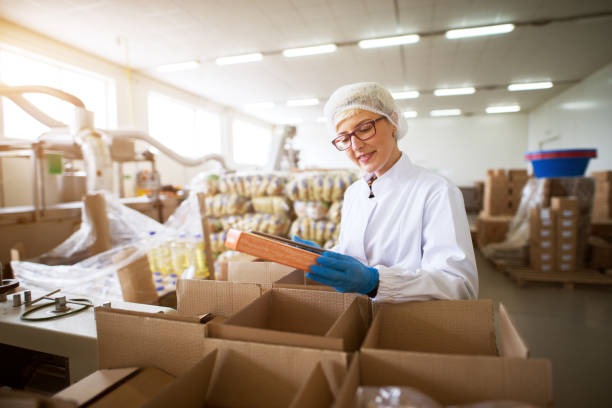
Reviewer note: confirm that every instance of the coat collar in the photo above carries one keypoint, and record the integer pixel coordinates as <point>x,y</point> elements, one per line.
<point>397,174</point>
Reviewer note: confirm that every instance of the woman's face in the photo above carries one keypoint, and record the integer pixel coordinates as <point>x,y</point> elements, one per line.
<point>377,154</point>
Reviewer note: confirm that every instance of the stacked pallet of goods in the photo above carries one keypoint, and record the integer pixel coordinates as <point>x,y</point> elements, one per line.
<point>600,241</point>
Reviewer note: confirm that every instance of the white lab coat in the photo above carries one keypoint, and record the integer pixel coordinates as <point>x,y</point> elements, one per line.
<point>414,231</point>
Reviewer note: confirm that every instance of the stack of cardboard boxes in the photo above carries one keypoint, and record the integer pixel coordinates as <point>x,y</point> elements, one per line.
<point>602,201</point>
<point>553,236</point>
<point>502,196</point>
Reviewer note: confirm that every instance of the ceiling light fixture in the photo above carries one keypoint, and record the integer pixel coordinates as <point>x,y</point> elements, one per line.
<point>180,66</point>
<point>503,109</point>
<point>478,31</point>
<point>530,86</point>
<point>454,91</point>
<point>303,102</point>
<point>239,59</point>
<point>405,94</point>
<point>445,112</point>
<point>410,114</point>
<point>261,105</point>
<point>317,49</point>
<point>389,41</point>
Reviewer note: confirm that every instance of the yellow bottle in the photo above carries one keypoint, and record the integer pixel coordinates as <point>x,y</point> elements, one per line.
<point>164,259</point>
<point>201,269</point>
<point>152,256</point>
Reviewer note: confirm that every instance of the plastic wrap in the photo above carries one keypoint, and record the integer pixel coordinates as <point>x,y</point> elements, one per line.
<point>391,397</point>
<point>271,205</point>
<point>253,185</point>
<point>335,212</point>
<point>317,231</point>
<point>327,187</point>
<point>205,182</point>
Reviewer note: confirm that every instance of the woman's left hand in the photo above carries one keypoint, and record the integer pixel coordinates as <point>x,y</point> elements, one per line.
<point>344,273</point>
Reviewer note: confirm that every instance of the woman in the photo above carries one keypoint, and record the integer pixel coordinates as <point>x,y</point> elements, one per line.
<point>404,233</point>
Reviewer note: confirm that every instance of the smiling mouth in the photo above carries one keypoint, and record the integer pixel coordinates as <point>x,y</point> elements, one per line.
<point>364,158</point>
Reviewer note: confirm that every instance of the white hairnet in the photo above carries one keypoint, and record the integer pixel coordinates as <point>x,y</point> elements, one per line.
<point>368,96</point>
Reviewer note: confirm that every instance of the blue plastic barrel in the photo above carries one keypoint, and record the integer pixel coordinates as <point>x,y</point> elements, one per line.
<point>560,163</point>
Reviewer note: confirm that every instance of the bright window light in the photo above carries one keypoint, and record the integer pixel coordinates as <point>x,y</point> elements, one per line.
<point>405,94</point>
<point>182,127</point>
<point>445,112</point>
<point>530,86</point>
<point>503,109</point>
<point>321,119</point>
<point>317,49</point>
<point>454,91</point>
<point>260,105</point>
<point>97,92</point>
<point>389,41</point>
<point>181,66</point>
<point>410,114</point>
<point>251,143</point>
<point>478,31</point>
<point>239,59</point>
<point>303,102</point>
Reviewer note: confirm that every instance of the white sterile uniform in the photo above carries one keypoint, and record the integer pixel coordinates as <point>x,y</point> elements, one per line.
<point>414,231</point>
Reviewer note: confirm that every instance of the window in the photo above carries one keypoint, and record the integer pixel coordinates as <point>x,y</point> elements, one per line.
<point>251,143</point>
<point>18,68</point>
<point>186,129</point>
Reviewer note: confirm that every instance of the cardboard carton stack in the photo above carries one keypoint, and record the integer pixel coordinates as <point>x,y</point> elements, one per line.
<point>602,201</point>
<point>565,211</point>
<point>542,242</point>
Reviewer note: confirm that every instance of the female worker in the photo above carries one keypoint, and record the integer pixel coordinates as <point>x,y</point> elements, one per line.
<point>404,233</point>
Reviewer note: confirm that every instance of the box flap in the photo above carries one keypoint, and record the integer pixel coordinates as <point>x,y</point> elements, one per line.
<point>510,341</point>
<point>136,390</point>
<point>298,280</point>
<point>197,297</point>
<point>257,272</point>
<point>351,326</point>
<point>95,384</point>
<point>440,326</point>
<point>171,345</point>
<point>346,395</point>
<point>460,379</point>
<point>189,389</point>
<point>315,392</point>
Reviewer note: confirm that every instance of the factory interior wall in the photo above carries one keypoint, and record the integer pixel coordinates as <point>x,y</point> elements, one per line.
<point>460,148</point>
<point>17,172</point>
<point>580,117</point>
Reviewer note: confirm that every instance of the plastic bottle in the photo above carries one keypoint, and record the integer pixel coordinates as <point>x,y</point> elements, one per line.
<point>164,259</point>
<point>180,255</point>
<point>201,269</point>
<point>152,256</point>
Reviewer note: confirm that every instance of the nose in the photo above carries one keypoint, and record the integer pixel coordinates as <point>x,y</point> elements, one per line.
<point>356,143</point>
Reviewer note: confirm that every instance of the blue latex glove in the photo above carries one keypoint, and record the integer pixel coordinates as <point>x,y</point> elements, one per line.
<point>303,241</point>
<point>344,273</point>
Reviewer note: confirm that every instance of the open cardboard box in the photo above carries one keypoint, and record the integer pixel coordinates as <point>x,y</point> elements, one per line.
<point>264,273</point>
<point>298,280</point>
<point>447,349</point>
<point>148,359</point>
<point>304,318</point>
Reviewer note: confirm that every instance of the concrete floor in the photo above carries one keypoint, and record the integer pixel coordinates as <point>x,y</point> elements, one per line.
<point>572,328</point>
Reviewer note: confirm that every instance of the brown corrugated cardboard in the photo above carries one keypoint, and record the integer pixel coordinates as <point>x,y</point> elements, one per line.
<point>317,319</point>
<point>601,253</point>
<point>491,229</point>
<point>297,280</point>
<point>602,175</point>
<point>518,175</point>
<point>257,272</point>
<point>450,380</point>
<point>136,279</point>
<point>447,349</point>
<point>95,384</point>
<point>197,297</point>
<point>244,374</point>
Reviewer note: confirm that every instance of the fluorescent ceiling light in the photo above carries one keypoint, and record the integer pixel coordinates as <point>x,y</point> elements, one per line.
<point>239,59</point>
<point>260,105</point>
<point>181,66</point>
<point>410,114</point>
<point>303,102</point>
<point>503,109</point>
<point>478,31</point>
<point>454,91</point>
<point>530,86</point>
<point>389,41</point>
<point>445,112</point>
<point>405,94</point>
<point>321,119</point>
<point>317,49</point>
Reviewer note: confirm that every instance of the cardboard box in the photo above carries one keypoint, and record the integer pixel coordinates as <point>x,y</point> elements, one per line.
<point>257,272</point>
<point>298,280</point>
<point>600,253</point>
<point>518,175</point>
<point>209,372</point>
<point>564,206</point>
<point>491,229</point>
<point>602,175</point>
<point>317,319</point>
<point>447,349</point>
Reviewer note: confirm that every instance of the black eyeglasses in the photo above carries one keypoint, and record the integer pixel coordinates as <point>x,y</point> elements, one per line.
<point>364,131</point>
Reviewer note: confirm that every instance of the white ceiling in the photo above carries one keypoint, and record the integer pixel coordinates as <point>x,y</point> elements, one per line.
<point>166,31</point>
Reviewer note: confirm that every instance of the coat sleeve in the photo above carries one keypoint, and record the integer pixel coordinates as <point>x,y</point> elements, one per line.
<point>448,266</point>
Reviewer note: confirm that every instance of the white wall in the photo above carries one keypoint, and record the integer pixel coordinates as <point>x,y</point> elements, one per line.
<point>461,149</point>
<point>580,117</point>
<point>131,110</point>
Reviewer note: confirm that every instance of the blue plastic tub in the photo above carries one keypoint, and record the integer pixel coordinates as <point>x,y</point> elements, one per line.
<point>560,163</point>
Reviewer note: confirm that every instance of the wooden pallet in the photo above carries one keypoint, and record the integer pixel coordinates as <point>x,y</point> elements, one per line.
<point>569,280</point>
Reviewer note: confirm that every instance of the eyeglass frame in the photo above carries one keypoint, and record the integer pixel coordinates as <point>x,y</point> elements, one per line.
<point>354,133</point>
